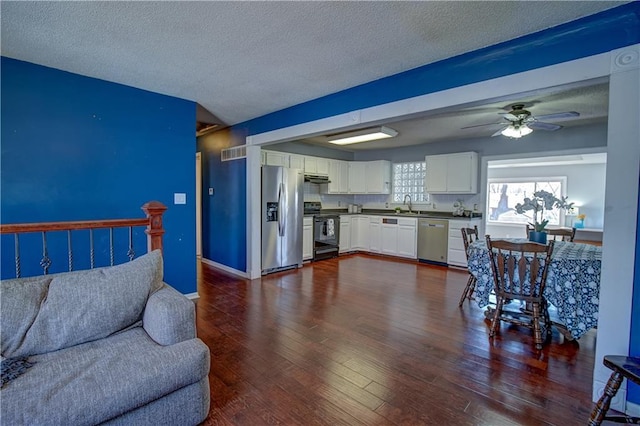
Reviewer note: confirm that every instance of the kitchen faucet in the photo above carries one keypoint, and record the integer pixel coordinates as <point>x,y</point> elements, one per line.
<point>405,201</point>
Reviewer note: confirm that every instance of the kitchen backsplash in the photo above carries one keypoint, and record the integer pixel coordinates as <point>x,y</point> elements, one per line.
<point>439,202</point>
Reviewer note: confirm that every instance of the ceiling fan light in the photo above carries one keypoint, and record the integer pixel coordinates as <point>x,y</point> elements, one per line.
<point>362,135</point>
<point>516,132</point>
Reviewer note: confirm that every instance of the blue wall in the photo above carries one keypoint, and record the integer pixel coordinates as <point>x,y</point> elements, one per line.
<point>78,148</point>
<point>224,227</point>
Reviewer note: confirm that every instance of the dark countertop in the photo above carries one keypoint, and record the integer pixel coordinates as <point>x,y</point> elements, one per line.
<point>420,214</point>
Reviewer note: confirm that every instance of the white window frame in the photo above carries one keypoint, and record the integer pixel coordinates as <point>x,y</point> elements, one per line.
<point>414,195</point>
<point>526,217</point>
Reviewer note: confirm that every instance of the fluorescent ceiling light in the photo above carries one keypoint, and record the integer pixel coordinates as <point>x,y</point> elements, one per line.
<point>362,135</point>
<point>516,132</point>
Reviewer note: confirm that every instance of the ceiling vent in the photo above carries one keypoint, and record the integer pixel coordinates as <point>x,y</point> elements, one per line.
<point>234,153</point>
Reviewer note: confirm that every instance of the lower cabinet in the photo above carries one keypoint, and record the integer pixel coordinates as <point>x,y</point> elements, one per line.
<point>389,238</point>
<point>360,232</point>
<point>456,255</point>
<point>307,238</point>
<point>345,234</point>
<point>375,234</point>
<point>408,238</point>
<point>398,236</point>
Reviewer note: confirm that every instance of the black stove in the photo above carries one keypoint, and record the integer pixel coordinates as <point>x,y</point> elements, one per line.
<point>326,231</point>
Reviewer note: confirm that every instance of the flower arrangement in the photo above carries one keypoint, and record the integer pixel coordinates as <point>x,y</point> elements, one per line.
<point>581,216</point>
<point>541,200</point>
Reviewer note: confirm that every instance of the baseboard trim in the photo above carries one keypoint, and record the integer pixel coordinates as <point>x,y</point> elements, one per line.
<point>633,409</point>
<point>192,296</point>
<point>225,268</point>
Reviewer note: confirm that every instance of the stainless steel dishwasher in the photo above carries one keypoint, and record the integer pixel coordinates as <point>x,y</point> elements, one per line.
<point>433,240</point>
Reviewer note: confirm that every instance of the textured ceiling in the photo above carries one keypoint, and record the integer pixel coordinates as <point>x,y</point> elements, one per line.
<point>241,60</point>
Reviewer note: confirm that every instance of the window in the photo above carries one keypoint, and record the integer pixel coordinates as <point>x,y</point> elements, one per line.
<point>503,195</point>
<point>408,179</point>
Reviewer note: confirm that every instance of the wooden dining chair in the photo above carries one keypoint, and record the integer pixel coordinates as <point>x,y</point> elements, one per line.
<point>520,273</point>
<point>557,234</point>
<point>469,235</point>
<point>623,368</point>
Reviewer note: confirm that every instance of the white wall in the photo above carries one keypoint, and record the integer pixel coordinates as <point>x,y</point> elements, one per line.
<point>585,187</point>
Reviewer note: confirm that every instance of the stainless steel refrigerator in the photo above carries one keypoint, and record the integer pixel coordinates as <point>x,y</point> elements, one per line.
<point>282,217</point>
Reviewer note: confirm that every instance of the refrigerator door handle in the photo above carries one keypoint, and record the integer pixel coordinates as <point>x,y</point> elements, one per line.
<point>281,211</point>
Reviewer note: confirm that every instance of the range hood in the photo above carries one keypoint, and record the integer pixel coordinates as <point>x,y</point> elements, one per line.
<point>316,179</point>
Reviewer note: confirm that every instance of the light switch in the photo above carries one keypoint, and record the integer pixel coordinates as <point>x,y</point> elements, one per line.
<point>210,191</point>
<point>179,198</point>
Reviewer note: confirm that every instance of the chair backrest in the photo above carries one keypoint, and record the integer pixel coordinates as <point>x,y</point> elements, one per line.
<point>557,234</point>
<point>469,235</point>
<point>562,234</point>
<point>519,269</point>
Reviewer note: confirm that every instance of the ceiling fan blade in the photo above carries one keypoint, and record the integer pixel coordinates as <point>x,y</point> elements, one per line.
<point>539,125</point>
<point>498,133</point>
<point>558,115</point>
<point>481,125</point>
<point>510,117</point>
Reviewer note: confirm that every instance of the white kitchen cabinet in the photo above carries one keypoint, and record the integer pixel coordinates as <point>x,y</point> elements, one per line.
<point>345,234</point>
<point>322,166</point>
<point>357,177</point>
<point>310,165</point>
<point>378,177</point>
<point>316,165</point>
<point>307,238</point>
<point>456,255</point>
<point>360,232</point>
<point>399,236</point>
<point>296,161</point>
<point>343,173</point>
<point>389,238</point>
<point>338,177</point>
<point>407,237</point>
<point>436,176</point>
<point>375,234</point>
<point>274,158</point>
<point>452,173</point>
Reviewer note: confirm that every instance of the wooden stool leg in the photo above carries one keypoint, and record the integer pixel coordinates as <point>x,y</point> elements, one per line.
<point>467,290</point>
<point>537,333</point>
<point>601,408</point>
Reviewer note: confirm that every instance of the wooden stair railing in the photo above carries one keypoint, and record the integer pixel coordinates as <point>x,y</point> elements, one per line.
<point>154,231</point>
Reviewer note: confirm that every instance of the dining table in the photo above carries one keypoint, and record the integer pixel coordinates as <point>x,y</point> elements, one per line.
<point>572,287</point>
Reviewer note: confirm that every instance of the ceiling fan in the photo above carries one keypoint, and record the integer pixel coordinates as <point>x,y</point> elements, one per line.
<point>519,122</point>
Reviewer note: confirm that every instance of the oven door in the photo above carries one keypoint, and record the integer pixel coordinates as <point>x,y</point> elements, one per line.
<point>325,237</point>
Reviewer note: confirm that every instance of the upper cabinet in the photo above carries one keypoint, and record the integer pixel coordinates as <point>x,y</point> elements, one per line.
<point>338,177</point>
<point>345,177</point>
<point>274,158</point>
<point>369,177</point>
<point>357,178</point>
<point>452,173</point>
<point>316,165</point>
<point>296,161</point>
<point>378,175</point>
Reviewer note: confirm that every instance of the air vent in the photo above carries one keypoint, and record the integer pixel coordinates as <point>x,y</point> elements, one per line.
<point>234,153</point>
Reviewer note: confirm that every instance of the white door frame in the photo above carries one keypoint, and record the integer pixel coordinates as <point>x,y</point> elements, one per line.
<point>199,204</point>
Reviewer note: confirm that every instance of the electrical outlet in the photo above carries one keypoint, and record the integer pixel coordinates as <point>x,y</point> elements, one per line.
<point>210,191</point>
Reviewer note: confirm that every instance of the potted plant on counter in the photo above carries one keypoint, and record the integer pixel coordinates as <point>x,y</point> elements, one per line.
<point>541,200</point>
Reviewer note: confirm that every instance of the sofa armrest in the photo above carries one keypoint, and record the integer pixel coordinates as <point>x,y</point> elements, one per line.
<point>169,317</point>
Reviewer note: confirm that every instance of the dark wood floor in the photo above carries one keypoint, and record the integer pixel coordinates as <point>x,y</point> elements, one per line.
<point>374,341</point>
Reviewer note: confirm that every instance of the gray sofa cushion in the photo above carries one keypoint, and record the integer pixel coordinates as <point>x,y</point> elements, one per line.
<point>169,317</point>
<point>85,305</point>
<point>20,301</point>
<point>97,381</point>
